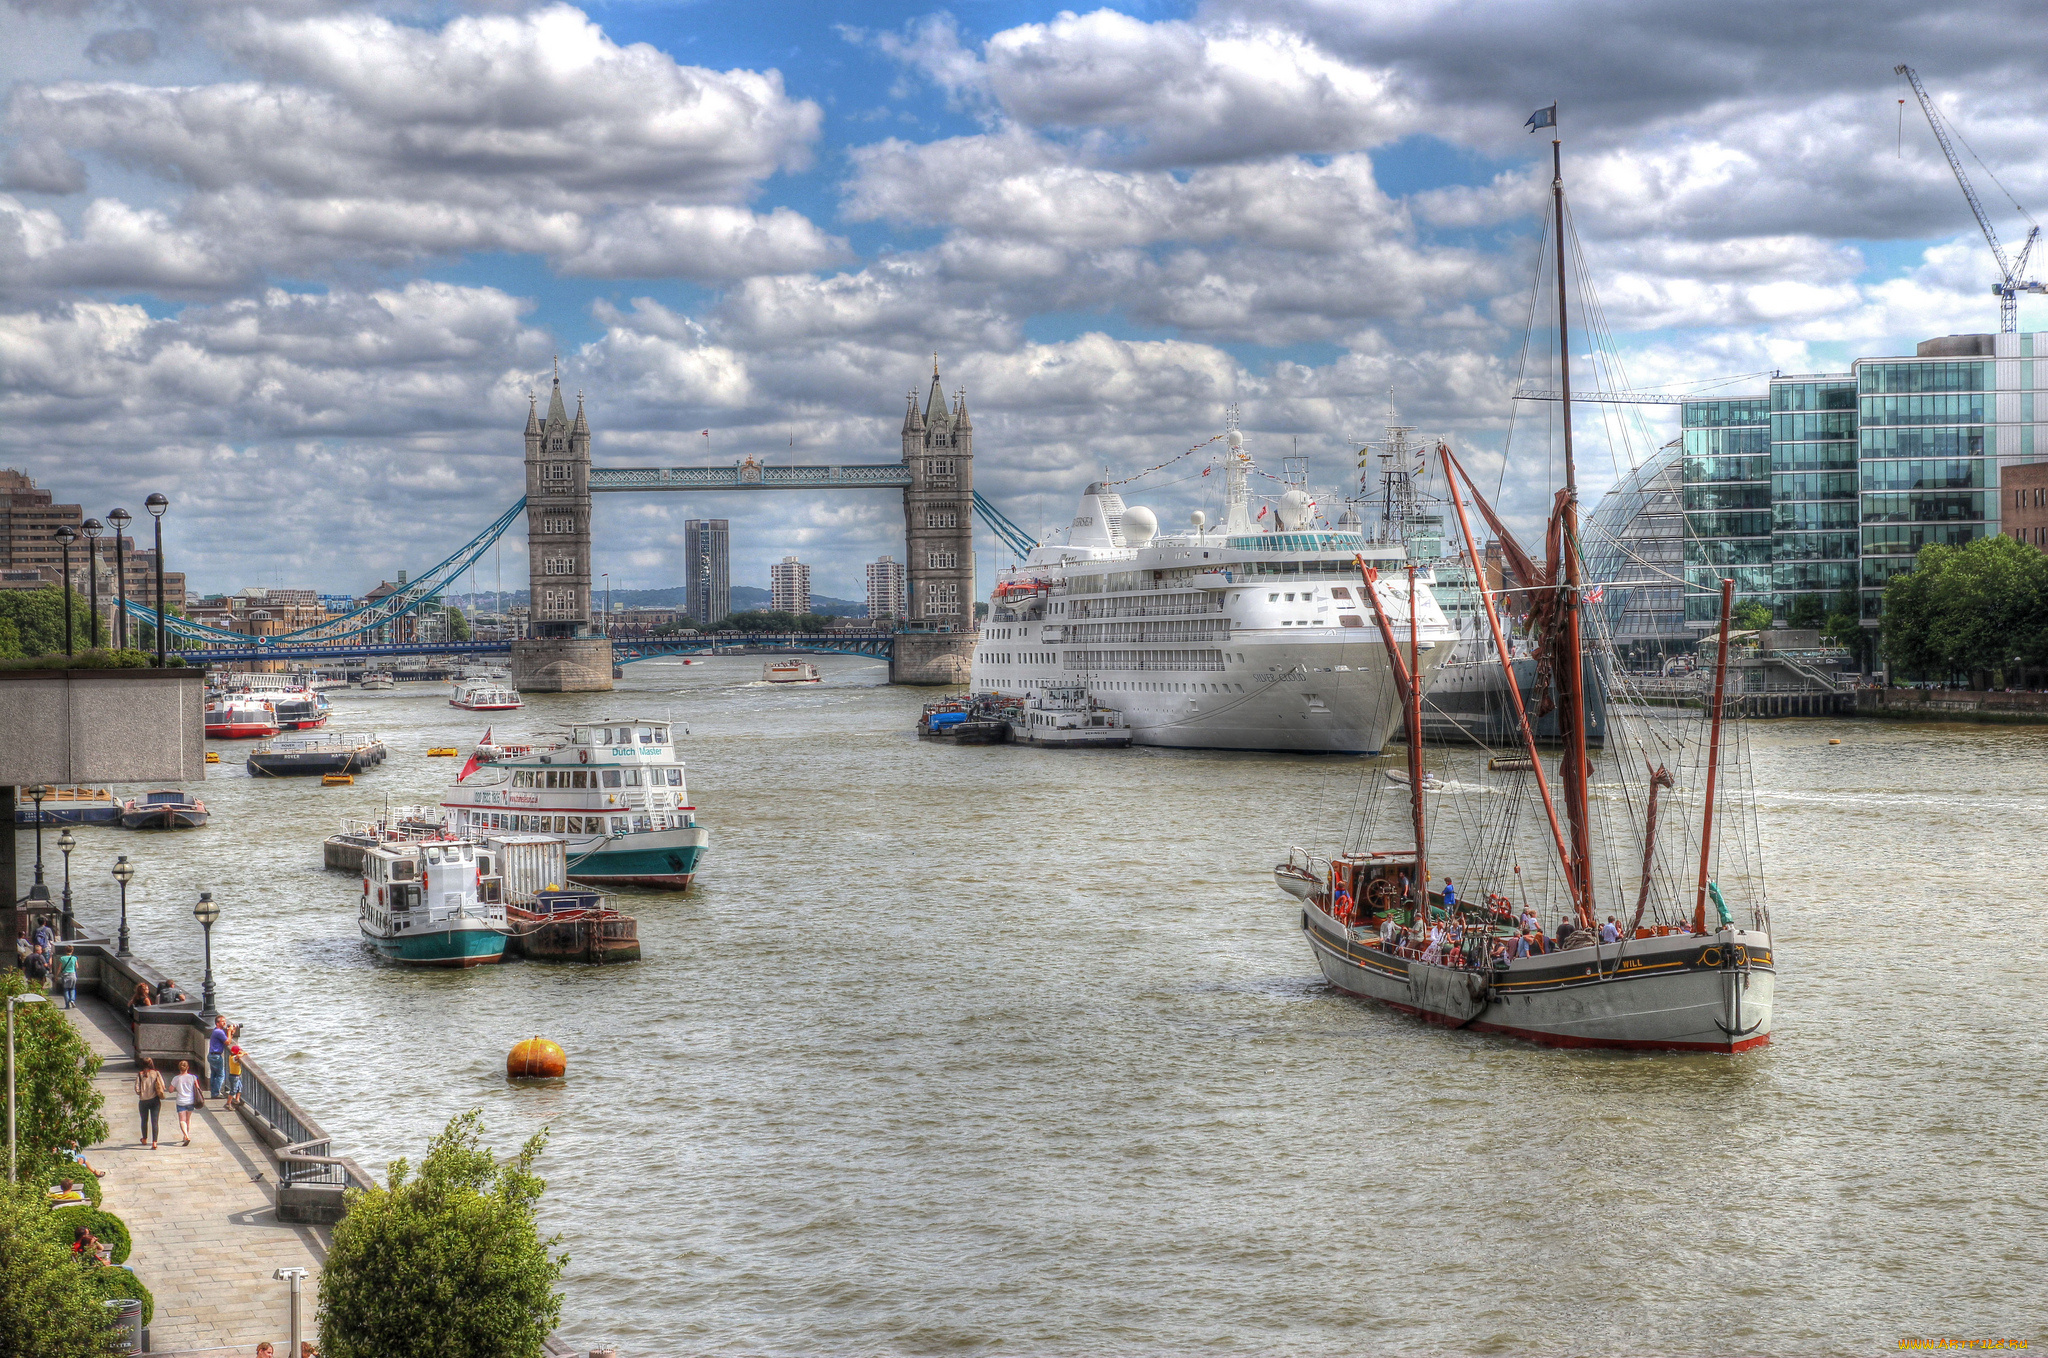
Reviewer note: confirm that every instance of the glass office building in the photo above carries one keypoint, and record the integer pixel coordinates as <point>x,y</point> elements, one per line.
<point>1635,550</point>
<point>1861,470</point>
<point>1727,497</point>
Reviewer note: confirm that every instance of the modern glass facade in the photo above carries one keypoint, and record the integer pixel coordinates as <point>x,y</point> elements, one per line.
<point>1814,540</point>
<point>1727,501</point>
<point>1635,550</point>
<point>1863,470</point>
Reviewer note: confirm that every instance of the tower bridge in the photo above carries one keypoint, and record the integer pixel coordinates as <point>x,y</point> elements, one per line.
<point>933,644</point>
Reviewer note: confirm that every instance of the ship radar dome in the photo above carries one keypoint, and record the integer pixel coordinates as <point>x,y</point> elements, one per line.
<point>1138,526</point>
<point>1295,508</point>
<point>1199,520</point>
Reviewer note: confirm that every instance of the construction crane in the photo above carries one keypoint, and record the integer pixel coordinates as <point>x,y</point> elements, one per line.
<point>2010,284</point>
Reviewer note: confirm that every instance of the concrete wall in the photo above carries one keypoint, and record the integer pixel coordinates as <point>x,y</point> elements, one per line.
<point>102,726</point>
<point>1946,704</point>
<point>562,665</point>
<point>931,658</point>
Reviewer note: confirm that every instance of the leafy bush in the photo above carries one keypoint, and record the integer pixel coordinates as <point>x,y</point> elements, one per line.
<point>450,1261</point>
<point>119,1284</point>
<point>64,1224</point>
<point>55,1102</point>
<point>49,1302</point>
<point>88,660</point>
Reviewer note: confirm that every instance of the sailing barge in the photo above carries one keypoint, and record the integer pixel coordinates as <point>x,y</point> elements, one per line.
<point>1654,975</point>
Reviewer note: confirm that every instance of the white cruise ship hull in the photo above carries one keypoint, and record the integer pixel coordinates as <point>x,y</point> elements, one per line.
<point>1329,696</point>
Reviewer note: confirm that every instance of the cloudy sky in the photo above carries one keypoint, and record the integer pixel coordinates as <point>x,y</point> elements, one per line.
<point>298,265</point>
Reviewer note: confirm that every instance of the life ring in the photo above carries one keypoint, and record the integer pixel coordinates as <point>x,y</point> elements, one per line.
<point>583,756</point>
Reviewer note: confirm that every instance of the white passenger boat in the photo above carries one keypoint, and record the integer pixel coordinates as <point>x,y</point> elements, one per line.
<point>1230,638</point>
<point>435,903</point>
<point>791,672</point>
<point>487,698</point>
<point>1065,717</point>
<point>613,792</point>
<point>377,681</point>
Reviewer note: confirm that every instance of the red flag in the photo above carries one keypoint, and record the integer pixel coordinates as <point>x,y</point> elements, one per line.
<point>1207,470</point>
<point>471,767</point>
<point>1262,511</point>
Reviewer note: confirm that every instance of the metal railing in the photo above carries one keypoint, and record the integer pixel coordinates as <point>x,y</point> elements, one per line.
<point>303,1159</point>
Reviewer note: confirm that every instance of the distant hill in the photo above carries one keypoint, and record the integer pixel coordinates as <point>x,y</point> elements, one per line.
<point>744,597</point>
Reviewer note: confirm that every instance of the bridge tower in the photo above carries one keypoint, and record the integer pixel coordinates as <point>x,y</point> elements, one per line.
<point>935,641</point>
<point>562,653</point>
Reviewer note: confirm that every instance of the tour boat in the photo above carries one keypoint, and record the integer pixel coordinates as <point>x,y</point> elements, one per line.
<point>1243,637</point>
<point>791,672</point>
<point>1068,717</point>
<point>240,717</point>
<point>297,705</point>
<point>435,903</point>
<point>613,792</point>
<point>163,810</point>
<point>487,698</point>
<point>1514,941</point>
<point>377,681</point>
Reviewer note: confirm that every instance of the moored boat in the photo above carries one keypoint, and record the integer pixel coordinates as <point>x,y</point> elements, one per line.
<point>348,752</point>
<point>435,903</point>
<point>613,792</point>
<point>164,809</point>
<point>791,672</point>
<point>1066,716</point>
<point>71,806</point>
<point>344,850</point>
<point>241,717</point>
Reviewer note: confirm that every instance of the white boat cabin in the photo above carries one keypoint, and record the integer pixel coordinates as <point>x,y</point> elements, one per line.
<point>415,885</point>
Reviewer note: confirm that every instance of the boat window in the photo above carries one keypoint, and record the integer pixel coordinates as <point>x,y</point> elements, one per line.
<point>483,865</point>
<point>401,870</point>
<point>1339,592</point>
<point>611,777</point>
<point>646,736</point>
<point>581,735</point>
<point>552,775</point>
<point>675,777</point>
<point>618,825</point>
<point>632,777</point>
<point>1272,598</point>
<point>468,853</point>
<point>661,735</point>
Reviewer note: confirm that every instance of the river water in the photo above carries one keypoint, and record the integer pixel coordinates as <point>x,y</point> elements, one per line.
<point>958,1051</point>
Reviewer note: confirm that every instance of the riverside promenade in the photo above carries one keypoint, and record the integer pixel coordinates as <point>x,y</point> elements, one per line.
<point>203,1218</point>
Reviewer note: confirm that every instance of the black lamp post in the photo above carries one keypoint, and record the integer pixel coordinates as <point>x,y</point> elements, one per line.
<point>66,535</point>
<point>124,871</point>
<point>156,504</point>
<point>92,528</point>
<point>36,795</point>
<point>120,518</point>
<point>67,842</point>
<point>206,912</point>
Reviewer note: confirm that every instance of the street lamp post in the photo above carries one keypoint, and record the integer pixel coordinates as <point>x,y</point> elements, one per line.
<point>31,997</point>
<point>66,535</point>
<point>124,871</point>
<point>92,528</point>
<point>36,795</point>
<point>206,912</point>
<point>67,842</point>
<point>606,576</point>
<point>156,504</point>
<point>120,518</point>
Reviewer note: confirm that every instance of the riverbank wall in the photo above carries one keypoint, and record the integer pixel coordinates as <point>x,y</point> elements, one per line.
<point>1947,704</point>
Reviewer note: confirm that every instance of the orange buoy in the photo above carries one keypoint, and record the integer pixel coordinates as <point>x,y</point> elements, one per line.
<point>536,1059</point>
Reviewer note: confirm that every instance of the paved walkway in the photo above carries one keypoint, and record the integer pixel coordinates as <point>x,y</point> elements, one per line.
<point>203,1217</point>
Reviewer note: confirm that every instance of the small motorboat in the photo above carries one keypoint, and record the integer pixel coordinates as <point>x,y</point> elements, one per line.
<point>167,809</point>
<point>487,698</point>
<point>791,672</point>
<point>377,681</point>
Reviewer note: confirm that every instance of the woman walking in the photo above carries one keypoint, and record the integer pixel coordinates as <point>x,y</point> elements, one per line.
<point>137,1002</point>
<point>186,1086</point>
<point>149,1099</point>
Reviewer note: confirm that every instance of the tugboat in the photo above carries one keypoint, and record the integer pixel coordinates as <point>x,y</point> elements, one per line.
<point>487,698</point>
<point>167,809</point>
<point>613,792</point>
<point>791,672</point>
<point>241,717</point>
<point>433,904</point>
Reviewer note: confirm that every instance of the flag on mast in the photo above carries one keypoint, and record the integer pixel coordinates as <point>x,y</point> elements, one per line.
<point>1542,117</point>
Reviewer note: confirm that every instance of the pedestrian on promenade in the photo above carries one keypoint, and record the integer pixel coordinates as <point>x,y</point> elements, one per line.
<point>45,935</point>
<point>234,1076</point>
<point>136,1004</point>
<point>37,968</point>
<point>149,1100</point>
<point>217,1045</point>
<point>266,1350</point>
<point>67,970</point>
<point>186,1086</point>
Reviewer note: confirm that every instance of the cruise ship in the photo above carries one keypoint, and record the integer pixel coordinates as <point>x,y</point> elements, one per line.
<point>1231,638</point>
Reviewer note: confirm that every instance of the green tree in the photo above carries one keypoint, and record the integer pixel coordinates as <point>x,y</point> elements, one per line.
<point>49,1307</point>
<point>458,625</point>
<point>1807,612</point>
<point>449,1261</point>
<point>770,620</point>
<point>1750,615</point>
<point>1972,610</point>
<point>32,622</point>
<point>55,1102</point>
